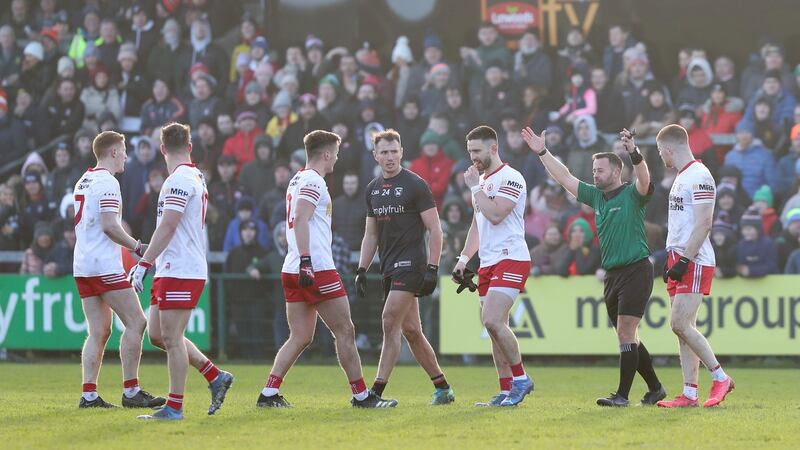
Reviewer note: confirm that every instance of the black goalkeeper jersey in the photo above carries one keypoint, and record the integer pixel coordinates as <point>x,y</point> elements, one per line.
<point>396,203</point>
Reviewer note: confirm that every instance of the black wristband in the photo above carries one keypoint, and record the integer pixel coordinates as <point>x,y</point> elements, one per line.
<point>543,152</point>
<point>636,157</point>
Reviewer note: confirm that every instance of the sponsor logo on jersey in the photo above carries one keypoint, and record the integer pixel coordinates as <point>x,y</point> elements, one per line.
<point>398,191</point>
<point>388,210</point>
<point>514,184</point>
<point>177,191</point>
<point>675,203</point>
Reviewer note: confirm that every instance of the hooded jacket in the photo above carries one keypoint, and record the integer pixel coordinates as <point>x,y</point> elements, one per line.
<point>579,160</point>
<point>242,146</point>
<point>725,254</point>
<point>583,261</point>
<point>692,93</point>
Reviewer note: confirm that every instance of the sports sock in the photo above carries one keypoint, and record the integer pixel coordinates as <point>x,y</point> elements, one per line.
<point>272,386</point>
<point>378,386</point>
<point>690,390</point>
<point>89,391</point>
<point>209,371</point>
<point>175,401</point>
<point>440,382</point>
<point>505,385</point>
<point>359,389</point>
<point>646,369</point>
<point>628,361</point>
<point>131,387</point>
<point>518,371</point>
<point>718,374</point>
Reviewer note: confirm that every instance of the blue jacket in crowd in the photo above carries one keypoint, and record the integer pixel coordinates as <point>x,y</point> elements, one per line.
<point>234,239</point>
<point>793,264</point>
<point>760,256</point>
<point>757,166</point>
<point>786,174</point>
<point>782,109</point>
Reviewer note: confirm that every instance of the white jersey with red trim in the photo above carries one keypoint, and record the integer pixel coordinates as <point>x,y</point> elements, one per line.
<point>184,191</point>
<point>505,240</point>
<point>694,185</point>
<point>97,191</point>
<point>309,185</point>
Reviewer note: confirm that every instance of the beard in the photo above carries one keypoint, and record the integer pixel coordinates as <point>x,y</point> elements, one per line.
<point>484,164</point>
<point>602,184</point>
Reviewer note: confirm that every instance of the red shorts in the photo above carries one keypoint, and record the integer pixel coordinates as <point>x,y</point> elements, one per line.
<point>176,293</point>
<point>327,285</point>
<point>94,286</point>
<point>507,273</point>
<point>696,280</point>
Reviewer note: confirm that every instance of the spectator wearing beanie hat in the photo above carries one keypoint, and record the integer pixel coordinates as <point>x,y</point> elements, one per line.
<point>793,201</point>
<point>756,254</point>
<point>762,202</point>
<point>248,30</point>
<point>432,54</point>
<point>283,116</point>
<point>205,51</point>
<point>400,74</point>
<point>34,206</point>
<point>161,64</point>
<point>12,132</point>
<point>143,32</point>
<point>245,212</point>
<point>253,101</point>
<point>727,203</point>
<point>433,166</point>
<point>789,243</point>
<point>100,97</point>
<point>241,144</point>
<point>40,249</point>
<point>309,119</point>
<point>34,74</point>
<point>131,83</point>
<point>755,162</point>
<point>723,239</point>
<point>257,176</point>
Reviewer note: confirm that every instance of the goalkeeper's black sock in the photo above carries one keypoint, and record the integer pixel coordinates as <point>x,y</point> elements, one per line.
<point>378,386</point>
<point>646,369</point>
<point>440,382</point>
<point>628,361</point>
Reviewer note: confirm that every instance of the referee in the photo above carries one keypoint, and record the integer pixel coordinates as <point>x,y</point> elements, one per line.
<point>400,209</point>
<point>619,214</point>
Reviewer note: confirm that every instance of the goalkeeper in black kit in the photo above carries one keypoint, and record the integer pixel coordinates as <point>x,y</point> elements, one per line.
<point>400,210</point>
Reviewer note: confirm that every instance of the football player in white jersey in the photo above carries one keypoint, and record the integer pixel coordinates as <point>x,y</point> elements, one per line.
<point>311,284</point>
<point>100,277</point>
<point>497,233</point>
<point>690,264</point>
<point>178,251</point>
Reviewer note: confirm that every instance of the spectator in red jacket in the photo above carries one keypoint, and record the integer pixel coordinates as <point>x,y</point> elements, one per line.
<point>433,166</point>
<point>721,113</point>
<point>241,144</point>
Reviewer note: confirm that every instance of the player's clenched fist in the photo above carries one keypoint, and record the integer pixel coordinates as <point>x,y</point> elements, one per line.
<point>361,282</point>
<point>472,177</point>
<point>137,274</point>
<point>306,272</point>
<point>429,280</point>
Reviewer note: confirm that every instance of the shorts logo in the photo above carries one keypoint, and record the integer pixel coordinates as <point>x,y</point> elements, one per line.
<point>167,266</point>
<point>505,252</point>
<point>398,191</point>
<point>398,283</point>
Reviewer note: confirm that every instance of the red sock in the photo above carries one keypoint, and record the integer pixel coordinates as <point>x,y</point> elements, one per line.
<point>175,401</point>
<point>89,387</point>
<point>517,370</point>
<point>133,382</point>
<point>505,384</point>
<point>274,381</point>
<point>358,386</point>
<point>209,370</point>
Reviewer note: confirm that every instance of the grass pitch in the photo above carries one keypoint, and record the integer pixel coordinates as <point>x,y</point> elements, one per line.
<point>38,409</point>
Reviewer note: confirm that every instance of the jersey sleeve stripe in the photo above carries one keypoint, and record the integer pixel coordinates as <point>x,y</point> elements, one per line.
<point>309,193</point>
<point>508,191</point>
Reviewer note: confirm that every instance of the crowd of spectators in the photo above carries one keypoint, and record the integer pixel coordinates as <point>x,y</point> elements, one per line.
<point>72,68</point>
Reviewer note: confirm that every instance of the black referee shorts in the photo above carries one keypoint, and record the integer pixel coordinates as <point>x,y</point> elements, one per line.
<point>409,281</point>
<point>628,288</point>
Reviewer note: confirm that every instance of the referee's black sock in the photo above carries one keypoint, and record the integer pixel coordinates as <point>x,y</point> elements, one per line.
<point>628,361</point>
<point>646,369</point>
<point>378,386</point>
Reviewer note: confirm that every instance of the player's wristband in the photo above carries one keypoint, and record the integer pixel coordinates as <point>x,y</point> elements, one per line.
<point>145,264</point>
<point>475,189</point>
<point>463,259</point>
<point>636,157</point>
<point>543,152</point>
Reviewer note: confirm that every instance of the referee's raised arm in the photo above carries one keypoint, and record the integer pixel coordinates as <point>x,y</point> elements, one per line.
<point>554,167</point>
<point>639,165</point>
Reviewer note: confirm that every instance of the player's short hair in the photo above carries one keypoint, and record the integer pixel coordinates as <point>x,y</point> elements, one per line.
<point>388,135</point>
<point>673,135</point>
<point>176,137</point>
<point>613,159</point>
<point>482,133</point>
<point>104,141</point>
<point>317,140</point>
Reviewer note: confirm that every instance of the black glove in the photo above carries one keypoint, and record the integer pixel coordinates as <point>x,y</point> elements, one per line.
<point>429,281</point>
<point>361,282</point>
<point>464,280</point>
<point>306,272</point>
<point>678,269</point>
<point>664,275</point>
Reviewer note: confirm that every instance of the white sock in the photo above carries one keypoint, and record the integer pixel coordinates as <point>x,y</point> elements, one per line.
<point>131,391</point>
<point>89,396</point>
<point>505,392</point>
<point>361,395</point>
<point>718,374</point>
<point>269,392</point>
<point>521,377</point>
<point>690,391</point>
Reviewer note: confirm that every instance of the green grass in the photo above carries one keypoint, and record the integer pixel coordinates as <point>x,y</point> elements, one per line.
<point>38,409</point>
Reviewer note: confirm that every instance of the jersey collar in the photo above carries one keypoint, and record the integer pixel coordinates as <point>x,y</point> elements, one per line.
<point>687,166</point>
<point>98,169</point>
<point>184,164</point>
<point>496,170</point>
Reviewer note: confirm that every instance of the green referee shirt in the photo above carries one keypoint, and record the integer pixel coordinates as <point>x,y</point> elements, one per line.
<point>619,216</point>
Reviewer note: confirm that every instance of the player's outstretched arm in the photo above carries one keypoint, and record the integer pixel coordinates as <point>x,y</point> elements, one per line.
<point>554,167</point>
<point>115,232</point>
<point>369,244</point>
<point>302,216</point>
<point>639,165</point>
<point>430,218</point>
<point>703,219</point>
<point>163,234</point>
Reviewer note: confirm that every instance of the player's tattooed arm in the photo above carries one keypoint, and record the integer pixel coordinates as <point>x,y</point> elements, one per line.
<point>115,232</point>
